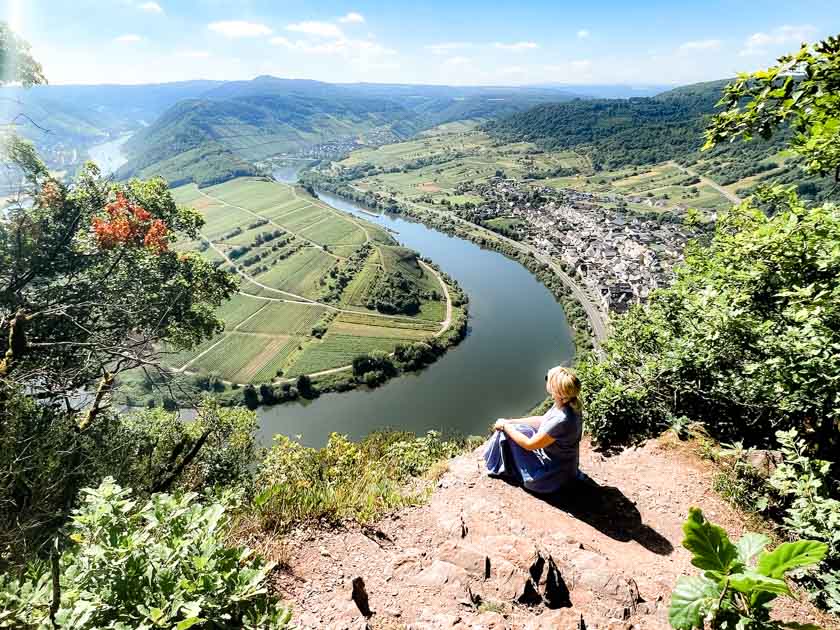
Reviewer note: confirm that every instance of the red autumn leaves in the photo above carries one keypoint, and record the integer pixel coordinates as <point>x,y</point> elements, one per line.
<point>129,224</point>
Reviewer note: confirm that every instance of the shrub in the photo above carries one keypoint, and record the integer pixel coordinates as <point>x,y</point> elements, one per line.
<point>162,565</point>
<point>345,479</point>
<point>738,581</point>
<point>740,342</point>
<point>811,511</point>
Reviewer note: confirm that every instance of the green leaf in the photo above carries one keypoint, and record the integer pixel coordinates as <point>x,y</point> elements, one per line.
<point>789,556</point>
<point>712,549</point>
<point>750,546</point>
<point>750,582</point>
<point>693,597</point>
<point>188,623</point>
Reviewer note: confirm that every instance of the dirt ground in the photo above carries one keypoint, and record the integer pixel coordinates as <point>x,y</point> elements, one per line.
<point>483,554</point>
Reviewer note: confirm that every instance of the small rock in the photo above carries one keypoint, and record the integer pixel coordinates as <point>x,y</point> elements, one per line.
<point>360,597</point>
<point>440,573</point>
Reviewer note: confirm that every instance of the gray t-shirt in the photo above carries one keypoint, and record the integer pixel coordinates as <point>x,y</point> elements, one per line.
<point>565,426</point>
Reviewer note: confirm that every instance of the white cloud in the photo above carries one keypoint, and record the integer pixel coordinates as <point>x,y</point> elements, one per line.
<point>787,34</point>
<point>457,62</point>
<point>194,54</point>
<point>239,28</point>
<point>516,46</point>
<point>702,44</point>
<point>317,29</point>
<point>151,7</point>
<point>446,47</point>
<point>128,38</point>
<point>352,18</point>
<point>346,47</point>
<point>582,33</point>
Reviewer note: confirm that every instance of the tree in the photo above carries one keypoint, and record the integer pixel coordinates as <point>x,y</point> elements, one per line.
<point>89,284</point>
<point>16,62</point>
<point>741,340</point>
<point>800,91</point>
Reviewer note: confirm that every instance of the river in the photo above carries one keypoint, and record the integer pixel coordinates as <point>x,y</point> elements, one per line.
<point>517,332</point>
<point>108,156</point>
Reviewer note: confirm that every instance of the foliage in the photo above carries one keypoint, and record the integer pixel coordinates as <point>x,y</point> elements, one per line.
<point>801,91</point>
<point>89,285</point>
<point>16,61</point>
<point>738,581</point>
<point>345,479</point>
<point>618,132</point>
<point>162,564</point>
<point>44,460</point>
<point>742,341</point>
<point>812,510</point>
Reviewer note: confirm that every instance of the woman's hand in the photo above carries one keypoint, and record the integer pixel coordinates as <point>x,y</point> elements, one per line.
<point>500,424</point>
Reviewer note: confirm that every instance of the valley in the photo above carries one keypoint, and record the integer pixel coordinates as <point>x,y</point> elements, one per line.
<point>307,276</point>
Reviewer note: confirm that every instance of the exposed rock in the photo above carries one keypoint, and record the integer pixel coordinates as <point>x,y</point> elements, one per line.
<point>440,573</point>
<point>556,593</point>
<point>360,597</point>
<point>464,555</point>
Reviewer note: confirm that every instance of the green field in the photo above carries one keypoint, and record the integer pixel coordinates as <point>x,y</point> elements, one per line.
<point>439,167</point>
<point>289,247</point>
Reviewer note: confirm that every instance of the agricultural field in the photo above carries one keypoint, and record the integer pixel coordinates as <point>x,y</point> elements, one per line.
<point>432,168</point>
<point>287,248</point>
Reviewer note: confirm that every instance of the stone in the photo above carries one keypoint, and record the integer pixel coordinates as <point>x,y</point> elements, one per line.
<point>556,593</point>
<point>464,555</point>
<point>440,573</point>
<point>360,597</point>
<point>563,619</point>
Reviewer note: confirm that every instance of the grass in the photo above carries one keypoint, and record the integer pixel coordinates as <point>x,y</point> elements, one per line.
<point>283,318</point>
<point>359,481</point>
<point>263,337</point>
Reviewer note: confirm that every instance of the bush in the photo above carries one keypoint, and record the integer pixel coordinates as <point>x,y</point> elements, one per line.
<point>162,565</point>
<point>345,479</point>
<point>808,493</point>
<point>738,581</point>
<point>740,342</point>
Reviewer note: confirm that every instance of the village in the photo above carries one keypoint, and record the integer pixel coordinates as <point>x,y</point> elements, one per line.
<point>618,258</point>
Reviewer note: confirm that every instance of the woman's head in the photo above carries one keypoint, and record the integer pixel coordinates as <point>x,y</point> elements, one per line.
<point>563,385</point>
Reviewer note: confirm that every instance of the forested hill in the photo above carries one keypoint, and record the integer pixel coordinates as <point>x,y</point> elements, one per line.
<point>619,132</point>
<point>244,121</point>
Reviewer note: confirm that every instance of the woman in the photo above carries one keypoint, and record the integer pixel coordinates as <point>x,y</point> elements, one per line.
<point>541,453</point>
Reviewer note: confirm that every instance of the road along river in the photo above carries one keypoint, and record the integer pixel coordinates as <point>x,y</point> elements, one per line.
<point>517,331</point>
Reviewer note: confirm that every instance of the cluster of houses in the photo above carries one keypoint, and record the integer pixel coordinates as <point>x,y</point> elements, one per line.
<point>618,257</point>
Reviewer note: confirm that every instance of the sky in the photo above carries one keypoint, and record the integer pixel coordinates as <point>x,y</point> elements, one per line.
<point>454,42</point>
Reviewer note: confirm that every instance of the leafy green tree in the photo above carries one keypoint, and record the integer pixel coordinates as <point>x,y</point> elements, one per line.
<point>165,563</point>
<point>738,580</point>
<point>800,91</point>
<point>90,285</point>
<point>16,61</point>
<point>742,340</point>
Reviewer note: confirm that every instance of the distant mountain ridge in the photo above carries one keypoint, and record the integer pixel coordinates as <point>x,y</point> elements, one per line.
<point>639,130</point>
<point>252,120</point>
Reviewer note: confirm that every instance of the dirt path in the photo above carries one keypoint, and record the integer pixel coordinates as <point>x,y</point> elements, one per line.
<point>731,196</point>
<point>462,561</point>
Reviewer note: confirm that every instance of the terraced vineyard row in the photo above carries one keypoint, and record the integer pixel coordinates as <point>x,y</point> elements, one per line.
<point>287,244</point>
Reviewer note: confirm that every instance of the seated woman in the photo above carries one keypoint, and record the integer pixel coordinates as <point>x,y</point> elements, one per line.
<point>541,453</point>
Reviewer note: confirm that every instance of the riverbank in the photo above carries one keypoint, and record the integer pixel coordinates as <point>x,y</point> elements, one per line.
<point>588,325</point>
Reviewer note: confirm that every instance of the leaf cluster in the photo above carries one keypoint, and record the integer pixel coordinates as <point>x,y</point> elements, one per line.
<point>738,580</point>
<point>160,563</point>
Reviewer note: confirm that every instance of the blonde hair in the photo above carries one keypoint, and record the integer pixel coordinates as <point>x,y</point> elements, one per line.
<point>563,384</point>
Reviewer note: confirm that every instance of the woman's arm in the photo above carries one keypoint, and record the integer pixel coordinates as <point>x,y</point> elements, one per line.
<point>537,441</point>
<point>533,421</point>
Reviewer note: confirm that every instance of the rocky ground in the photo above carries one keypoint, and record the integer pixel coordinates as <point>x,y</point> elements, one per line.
<point>483,554</point>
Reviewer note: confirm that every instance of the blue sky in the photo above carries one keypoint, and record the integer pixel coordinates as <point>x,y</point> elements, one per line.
<point>444,42</point>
